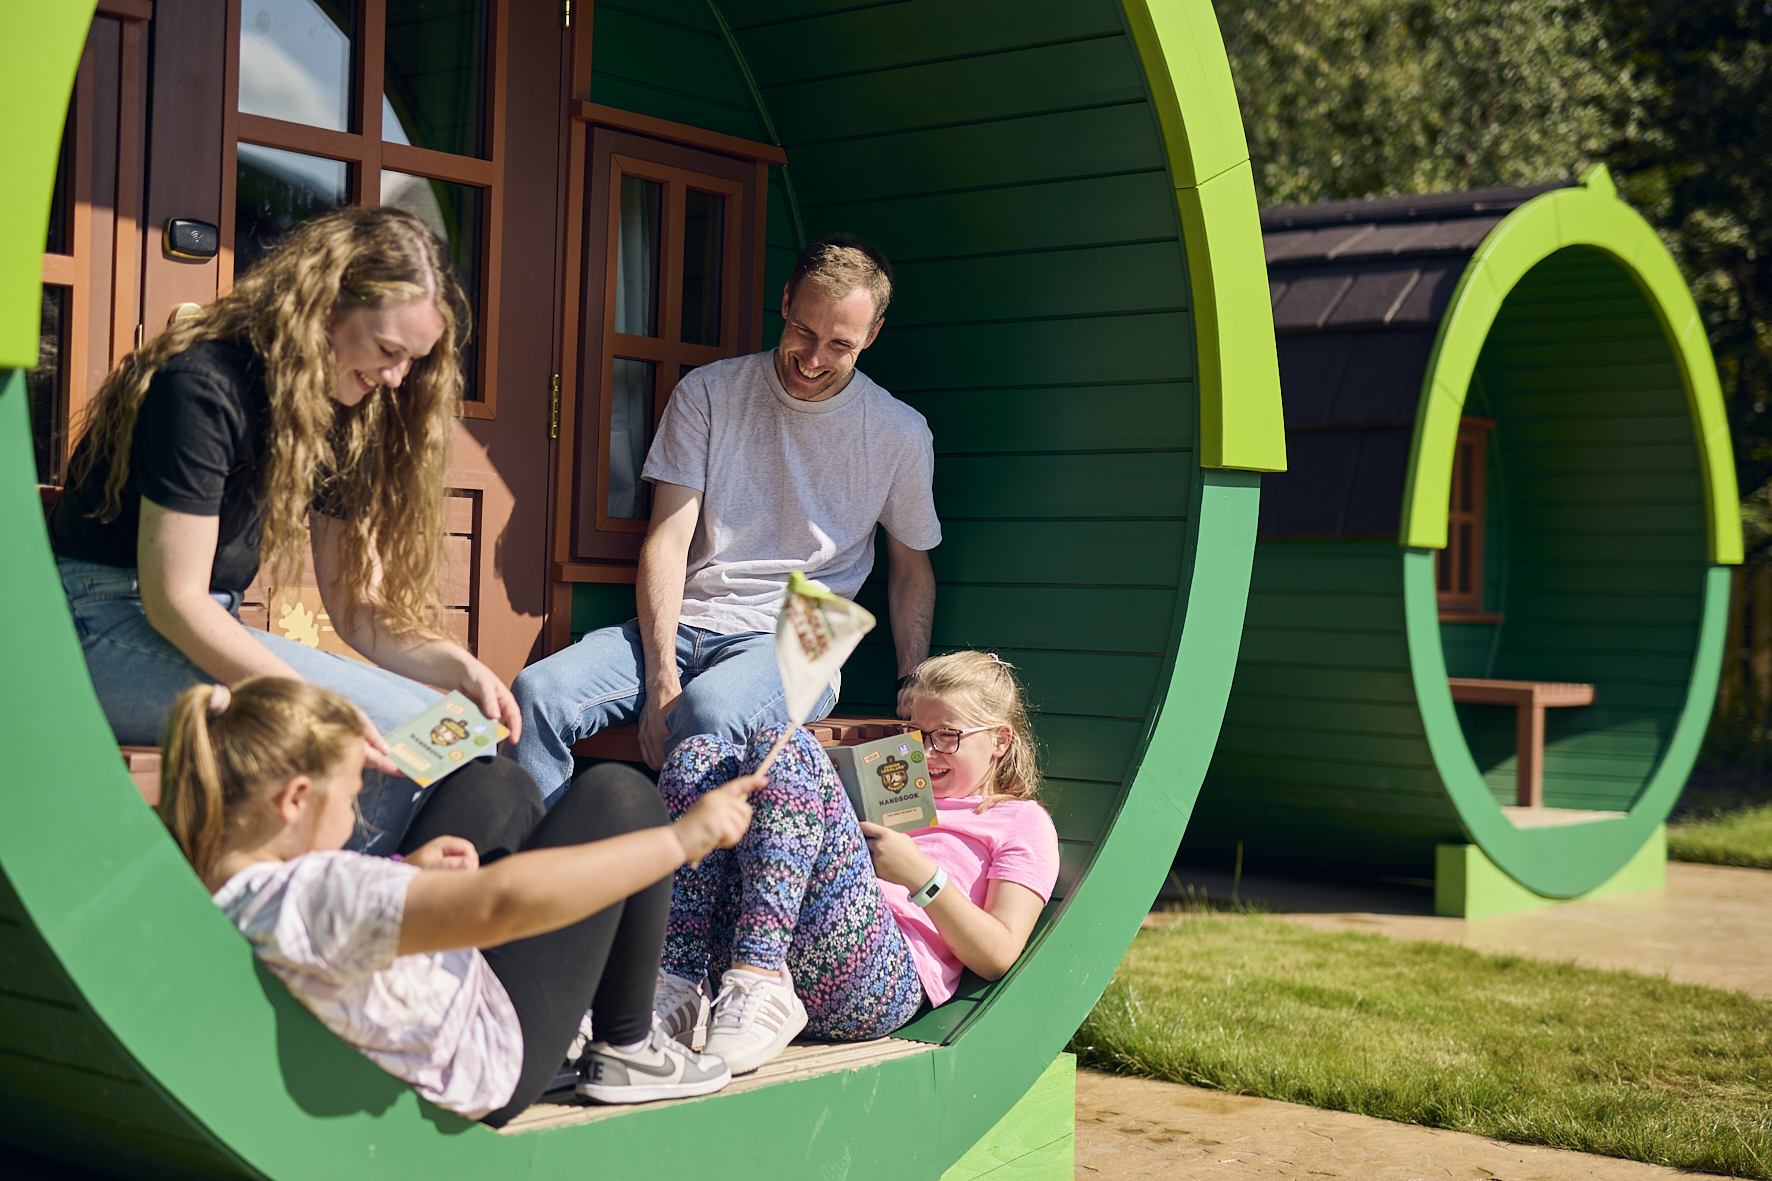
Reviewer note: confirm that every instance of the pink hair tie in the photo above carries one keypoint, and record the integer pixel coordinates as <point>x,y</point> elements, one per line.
<point>219,700</point>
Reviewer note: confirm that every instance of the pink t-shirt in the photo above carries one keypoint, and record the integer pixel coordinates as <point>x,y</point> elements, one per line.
<point>1012,841</point>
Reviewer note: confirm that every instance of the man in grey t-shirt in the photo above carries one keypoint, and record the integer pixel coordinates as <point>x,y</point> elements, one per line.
<point>763,465</point>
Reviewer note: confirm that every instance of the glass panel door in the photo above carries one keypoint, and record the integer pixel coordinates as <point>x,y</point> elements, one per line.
<point>295,61</point>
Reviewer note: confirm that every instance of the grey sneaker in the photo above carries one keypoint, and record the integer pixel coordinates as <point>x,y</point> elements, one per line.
<point>755,1017</point>
<point>680,1005</point>
<point>661,1069</point>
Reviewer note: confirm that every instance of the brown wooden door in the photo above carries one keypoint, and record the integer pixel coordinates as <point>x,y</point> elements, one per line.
<point>161,127</point>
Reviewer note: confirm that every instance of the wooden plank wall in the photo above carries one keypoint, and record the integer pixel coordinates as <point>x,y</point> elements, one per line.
<point>298,613</point>
<point>1005,157</point>
<point>1323,759</point>
<point>1605,526</point>
<point>64,1079</point>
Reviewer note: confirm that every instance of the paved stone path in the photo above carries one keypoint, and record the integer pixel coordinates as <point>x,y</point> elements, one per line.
<point>1712,924</point>
<point>1136,1128</point>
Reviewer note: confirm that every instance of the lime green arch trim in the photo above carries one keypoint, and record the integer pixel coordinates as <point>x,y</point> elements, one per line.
<point>1589,214</point>
<point>34,90</point>
<point>1186,69</point>
<point>1568,860</point>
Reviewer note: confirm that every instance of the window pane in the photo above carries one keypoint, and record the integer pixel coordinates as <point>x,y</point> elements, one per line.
<point>275,191</point>
<point>46,387</point>
<point>703,240</point>
<point>454,212</point>
<point>636,258</point>
<point>1464,559</point>
<point>630,420</point>
<point>295,60</point>
<point>435,89</point>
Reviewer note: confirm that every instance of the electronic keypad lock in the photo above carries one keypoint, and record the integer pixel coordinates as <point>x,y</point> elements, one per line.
<point>196,240</point>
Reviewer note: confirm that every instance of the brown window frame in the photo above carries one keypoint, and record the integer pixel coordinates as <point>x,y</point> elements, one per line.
<point>1458,569</point>
<point>588,545</point>
<point>366,156</point>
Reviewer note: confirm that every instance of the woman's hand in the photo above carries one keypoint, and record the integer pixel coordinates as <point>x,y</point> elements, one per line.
<point>481,686</point>
<point>445,853</point>
<point>375,747</point>
<point>897,858</point>
<point>718,819</point>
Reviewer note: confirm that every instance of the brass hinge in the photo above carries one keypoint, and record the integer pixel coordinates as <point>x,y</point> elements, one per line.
<point>554,410</point>
<point>569,13</point>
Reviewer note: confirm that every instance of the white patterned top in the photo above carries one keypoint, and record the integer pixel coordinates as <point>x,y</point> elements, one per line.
<point>328,925</point>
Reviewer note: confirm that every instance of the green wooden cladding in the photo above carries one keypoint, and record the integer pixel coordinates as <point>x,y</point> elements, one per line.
<point>1063,198</point>
<point>1342,745</point>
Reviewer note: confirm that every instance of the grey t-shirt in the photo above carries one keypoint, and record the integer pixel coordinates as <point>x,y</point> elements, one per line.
<point>788,485</point>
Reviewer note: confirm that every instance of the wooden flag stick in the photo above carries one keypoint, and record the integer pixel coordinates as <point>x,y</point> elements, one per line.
<point>769,758</point>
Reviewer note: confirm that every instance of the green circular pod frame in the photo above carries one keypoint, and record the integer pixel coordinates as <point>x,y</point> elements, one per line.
<point>1561,861</point>
<point>191,1060</point>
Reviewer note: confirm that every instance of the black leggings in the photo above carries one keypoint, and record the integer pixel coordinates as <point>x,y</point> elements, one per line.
<point>608,962</point>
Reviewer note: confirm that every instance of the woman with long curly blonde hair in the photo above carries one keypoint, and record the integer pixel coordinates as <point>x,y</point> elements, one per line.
<point>314,401</point>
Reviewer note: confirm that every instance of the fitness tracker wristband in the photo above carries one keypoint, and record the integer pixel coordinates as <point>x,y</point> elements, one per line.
<point>931,888</point>
<point>899,685</point>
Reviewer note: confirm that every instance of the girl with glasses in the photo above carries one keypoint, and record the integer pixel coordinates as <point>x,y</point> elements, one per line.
<point>815,921</point>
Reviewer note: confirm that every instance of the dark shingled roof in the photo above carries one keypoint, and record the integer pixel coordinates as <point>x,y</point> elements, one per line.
<point>1359,289</point>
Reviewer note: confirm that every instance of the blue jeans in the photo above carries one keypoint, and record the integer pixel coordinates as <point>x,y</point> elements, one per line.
<point>731,687</point>
<point>138,674</point>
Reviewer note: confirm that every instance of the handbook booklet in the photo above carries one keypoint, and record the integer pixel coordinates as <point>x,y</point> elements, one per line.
<point>888,781</point>
<point>442,737</point>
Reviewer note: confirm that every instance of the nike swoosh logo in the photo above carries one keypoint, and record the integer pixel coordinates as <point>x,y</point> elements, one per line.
<point>662,1071</point>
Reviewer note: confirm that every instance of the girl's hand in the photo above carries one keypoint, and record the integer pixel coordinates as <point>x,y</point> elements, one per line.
<point>482,687</point>
<point>375,747</point>
<point>897,858</point>
<point>445,853</point>
<point>718,819</point>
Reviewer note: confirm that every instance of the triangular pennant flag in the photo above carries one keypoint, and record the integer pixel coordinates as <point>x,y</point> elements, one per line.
<point>814,635</point>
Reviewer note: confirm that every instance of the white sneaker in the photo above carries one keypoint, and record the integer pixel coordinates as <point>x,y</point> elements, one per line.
<point>754,1018</point>
<point>659,1069</point>
<point>680,1004</point>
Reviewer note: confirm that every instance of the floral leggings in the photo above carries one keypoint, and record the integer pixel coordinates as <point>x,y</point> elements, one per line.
<point>798,889</point>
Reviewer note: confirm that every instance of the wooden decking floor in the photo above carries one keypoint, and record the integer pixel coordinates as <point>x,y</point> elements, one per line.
<point>798,1061</point>
<point>1555,817</point>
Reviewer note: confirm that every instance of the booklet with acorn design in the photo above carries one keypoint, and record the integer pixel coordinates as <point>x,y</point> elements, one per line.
<point>441,737</point>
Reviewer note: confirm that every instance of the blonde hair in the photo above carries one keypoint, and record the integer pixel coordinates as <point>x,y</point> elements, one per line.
<point>982,688</point>
<point>840,263</point>
<point>379,465</point>
<point>223,752</point>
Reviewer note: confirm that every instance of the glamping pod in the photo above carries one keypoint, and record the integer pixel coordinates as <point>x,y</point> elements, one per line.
<point>1488,596</point>
<point>1066,189</point>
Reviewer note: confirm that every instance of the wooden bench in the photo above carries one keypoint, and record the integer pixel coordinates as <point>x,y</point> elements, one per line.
<point>143,763</point>
<point>622,743</point>
<point>1530,699</point>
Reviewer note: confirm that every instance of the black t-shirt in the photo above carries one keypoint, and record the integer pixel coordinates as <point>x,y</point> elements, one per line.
<point>198,441</point>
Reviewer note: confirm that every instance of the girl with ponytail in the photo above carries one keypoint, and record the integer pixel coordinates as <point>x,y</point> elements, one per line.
<point>314,401</point>
<point>465,964</point>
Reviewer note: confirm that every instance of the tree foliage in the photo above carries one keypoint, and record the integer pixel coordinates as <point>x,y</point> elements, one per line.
<point>1359,98</point>
<point>1366,98</point>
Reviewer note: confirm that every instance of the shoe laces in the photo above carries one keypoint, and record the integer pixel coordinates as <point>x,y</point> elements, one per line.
<point>750,992</point>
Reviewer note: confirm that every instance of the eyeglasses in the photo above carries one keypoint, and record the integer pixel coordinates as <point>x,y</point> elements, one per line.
<point>946,742</point>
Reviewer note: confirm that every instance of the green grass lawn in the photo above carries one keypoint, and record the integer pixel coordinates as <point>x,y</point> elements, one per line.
<point>1742,837</point>
<point>1427,1033</point>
